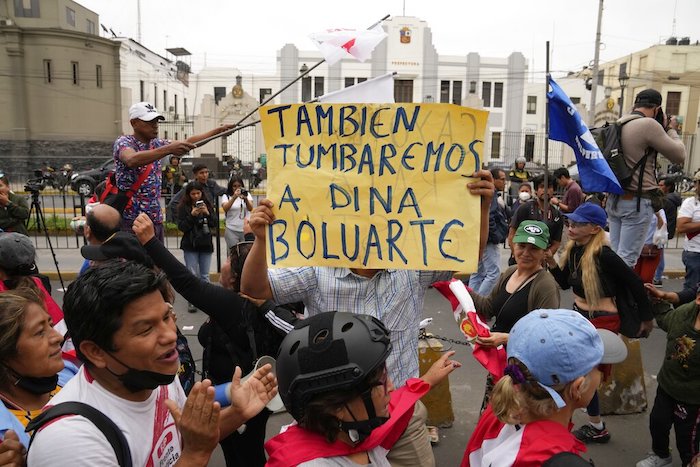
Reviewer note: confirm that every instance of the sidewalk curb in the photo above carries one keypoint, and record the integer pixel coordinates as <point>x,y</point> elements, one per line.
<point>672,274</point>
<point>72,275</point>
<point>214,276</point>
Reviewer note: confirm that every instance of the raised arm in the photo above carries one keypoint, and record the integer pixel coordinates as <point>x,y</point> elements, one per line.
<point>254,280</point>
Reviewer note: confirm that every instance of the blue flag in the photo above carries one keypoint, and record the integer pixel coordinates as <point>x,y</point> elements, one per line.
<point>566,125</point>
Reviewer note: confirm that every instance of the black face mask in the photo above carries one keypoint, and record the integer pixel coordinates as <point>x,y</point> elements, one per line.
<point>36,385</point>
<point>358,431</point>
<point>659,117</point>
<point>139,380</point>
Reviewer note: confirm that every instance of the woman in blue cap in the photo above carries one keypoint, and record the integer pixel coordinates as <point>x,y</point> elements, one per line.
<point>598,276</point>
<point>556,360</point>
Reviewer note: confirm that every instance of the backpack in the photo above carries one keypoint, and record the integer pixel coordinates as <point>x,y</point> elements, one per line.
<point>120,199</point>
<point>108,428</point>
<point>609,139</point>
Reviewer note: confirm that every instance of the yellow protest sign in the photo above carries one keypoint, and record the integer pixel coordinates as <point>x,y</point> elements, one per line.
<point>374,186</point>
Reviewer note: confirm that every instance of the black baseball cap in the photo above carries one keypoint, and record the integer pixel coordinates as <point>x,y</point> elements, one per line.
<point>119,245</point>
<point>649,97</point>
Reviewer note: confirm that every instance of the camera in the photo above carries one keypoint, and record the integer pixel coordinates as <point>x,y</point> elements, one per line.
<point>244,192</point>
<point>204,223</point>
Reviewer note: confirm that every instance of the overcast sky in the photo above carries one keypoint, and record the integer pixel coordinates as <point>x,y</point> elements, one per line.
<point>248,34</point>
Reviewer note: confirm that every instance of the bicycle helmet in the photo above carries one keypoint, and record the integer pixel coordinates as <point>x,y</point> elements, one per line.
<point>520,160</point>
<point>328,352</point>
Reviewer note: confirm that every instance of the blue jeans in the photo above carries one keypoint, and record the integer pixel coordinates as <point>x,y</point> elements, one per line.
<point>628,227</point>
<point>488,272</point>
<point>660,268</point>
<point>691,261</point>
<point>199,263</point>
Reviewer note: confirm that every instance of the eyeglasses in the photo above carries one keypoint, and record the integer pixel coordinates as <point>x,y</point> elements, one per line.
<point>575,225</point>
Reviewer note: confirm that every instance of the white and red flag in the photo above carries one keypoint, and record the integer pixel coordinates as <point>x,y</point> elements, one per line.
<point>472,326</point>
<point>336,44</point>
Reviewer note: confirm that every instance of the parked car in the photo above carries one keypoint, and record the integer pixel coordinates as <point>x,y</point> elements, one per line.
<point>84,182</point>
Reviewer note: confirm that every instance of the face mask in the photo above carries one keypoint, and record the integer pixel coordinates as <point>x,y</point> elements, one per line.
<point>524,196</point>
<point>359,431</point>
<point>139,380</point>
<point>659,117</point>
<point>36,386</point>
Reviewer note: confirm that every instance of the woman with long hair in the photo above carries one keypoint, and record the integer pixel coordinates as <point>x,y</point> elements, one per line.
<point>196,219</point>
<point>597,276</point>
<point>556,360</point>
<point>237,204</point>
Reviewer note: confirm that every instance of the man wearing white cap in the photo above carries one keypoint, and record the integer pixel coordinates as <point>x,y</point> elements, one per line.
<point>137,163</point>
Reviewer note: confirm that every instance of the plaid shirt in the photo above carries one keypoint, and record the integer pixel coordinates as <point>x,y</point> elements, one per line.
<point>395,296</point>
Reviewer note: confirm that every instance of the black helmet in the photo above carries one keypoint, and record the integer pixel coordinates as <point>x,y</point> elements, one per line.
<point>327,352</point>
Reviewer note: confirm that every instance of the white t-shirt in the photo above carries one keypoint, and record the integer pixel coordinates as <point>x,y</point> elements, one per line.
<point>237,214</point>
<point>691,209</point>
<point>75,441</point>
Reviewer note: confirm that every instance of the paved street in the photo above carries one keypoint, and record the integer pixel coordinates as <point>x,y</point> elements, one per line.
<point>630,438</point>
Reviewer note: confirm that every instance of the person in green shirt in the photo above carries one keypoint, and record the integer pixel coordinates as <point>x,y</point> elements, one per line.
<point>677,400</point>
<point>14,211</point>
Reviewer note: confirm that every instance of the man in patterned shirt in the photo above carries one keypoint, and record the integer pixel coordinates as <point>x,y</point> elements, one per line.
<point>142,151</point>
<point>394,296</point>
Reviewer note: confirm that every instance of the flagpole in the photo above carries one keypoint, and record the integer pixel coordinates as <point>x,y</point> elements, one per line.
<point>546,139</point>
<point>301,75</point>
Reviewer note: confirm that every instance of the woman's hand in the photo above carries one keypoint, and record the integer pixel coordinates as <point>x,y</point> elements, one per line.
<point>440,369</point>
<point>494,340</point>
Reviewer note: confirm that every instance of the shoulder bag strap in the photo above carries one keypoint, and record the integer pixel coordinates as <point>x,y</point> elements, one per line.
<point>109,429</point>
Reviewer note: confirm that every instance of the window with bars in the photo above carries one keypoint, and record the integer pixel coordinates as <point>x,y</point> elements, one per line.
<point>444,92</point>
<point>75,73</point>
<point>457,92</point>
<point>98,76</point>
<point>531,105</point>
<point>673,103</point>
<point>498,94</point>
<point>496,145</point>
<point>486,93</point>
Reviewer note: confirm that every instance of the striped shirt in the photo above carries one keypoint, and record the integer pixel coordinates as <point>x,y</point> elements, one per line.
<point>394,296</point>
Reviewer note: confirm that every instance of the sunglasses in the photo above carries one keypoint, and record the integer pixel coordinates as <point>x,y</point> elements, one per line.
<point>575,225</point>
<point>240,249</point>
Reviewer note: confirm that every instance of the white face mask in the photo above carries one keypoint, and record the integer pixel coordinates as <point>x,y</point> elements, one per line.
<point>524,196</point>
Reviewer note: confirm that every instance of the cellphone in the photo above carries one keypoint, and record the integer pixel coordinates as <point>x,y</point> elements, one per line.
<point>199,204</point>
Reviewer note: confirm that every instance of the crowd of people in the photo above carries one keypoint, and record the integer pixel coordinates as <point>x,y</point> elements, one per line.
<point>110,371</point>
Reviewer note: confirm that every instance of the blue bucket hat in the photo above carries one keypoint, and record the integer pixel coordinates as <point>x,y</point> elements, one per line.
<point>558,346</point>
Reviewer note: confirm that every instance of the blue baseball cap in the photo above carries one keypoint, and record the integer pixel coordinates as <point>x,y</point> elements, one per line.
<point>558,346</point>
<point>589,213</point>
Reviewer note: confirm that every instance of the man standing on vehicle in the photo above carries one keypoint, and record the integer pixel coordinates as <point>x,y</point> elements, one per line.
<point>137,163</point>
<point>629,214</point>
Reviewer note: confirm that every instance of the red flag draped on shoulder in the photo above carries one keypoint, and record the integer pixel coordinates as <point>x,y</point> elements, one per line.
<point>471,325</point>
<point>336,44</point>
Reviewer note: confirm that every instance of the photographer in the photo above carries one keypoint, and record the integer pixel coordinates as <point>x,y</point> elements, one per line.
<point>196,220</point>
<point>237,204</point>
<point>13,209</point>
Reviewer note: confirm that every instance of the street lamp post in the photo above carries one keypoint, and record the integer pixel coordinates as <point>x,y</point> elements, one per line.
<point>623,79</point>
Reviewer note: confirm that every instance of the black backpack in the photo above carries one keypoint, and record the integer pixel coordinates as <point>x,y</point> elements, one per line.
<point>108,428</point>
<point>609,139</point>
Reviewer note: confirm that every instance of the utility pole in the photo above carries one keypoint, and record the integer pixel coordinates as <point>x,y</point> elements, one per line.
<point>138,20</point>
<point>596,57</point>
